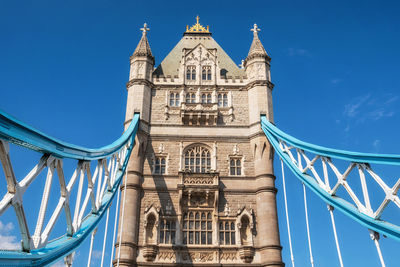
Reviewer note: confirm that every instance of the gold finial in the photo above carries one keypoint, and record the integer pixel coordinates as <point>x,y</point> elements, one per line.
<point>197,27</point>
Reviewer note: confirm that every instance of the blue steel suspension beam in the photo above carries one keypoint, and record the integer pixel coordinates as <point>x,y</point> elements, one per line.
<point>276,137</point>
<point>14,131</point>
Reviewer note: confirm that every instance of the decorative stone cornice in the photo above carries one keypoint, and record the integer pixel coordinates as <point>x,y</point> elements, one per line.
<point>259,82</point>
<point>266,189</point>
<point>256,55</point>
<point>140,82</point>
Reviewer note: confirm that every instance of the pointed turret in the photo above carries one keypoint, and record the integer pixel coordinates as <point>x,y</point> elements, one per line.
<point>256,48</point>
<point>257,61</point>
<point>142,60</point>
<point>140,79</point>
<point>143,48</point>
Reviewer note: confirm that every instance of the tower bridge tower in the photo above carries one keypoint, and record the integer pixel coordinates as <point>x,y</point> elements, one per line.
<point>200,183</point>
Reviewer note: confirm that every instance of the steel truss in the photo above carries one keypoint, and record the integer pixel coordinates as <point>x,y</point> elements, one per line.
<point>295,154</point>
<point>97,191</point>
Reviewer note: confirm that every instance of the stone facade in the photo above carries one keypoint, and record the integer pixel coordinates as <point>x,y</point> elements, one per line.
<point>200,184</point>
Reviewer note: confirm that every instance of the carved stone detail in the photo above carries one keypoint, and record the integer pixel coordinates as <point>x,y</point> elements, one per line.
<point>198,180</point>
<point>246,253</point>
<point>228,256</point>
<point>198,256</point>
<point>150,252</point>
<point>167,256</point>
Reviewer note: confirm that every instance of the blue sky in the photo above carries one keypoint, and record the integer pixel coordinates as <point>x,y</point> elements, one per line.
<point>64,65</point>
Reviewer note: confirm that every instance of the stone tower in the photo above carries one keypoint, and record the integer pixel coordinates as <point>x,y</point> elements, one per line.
<point>200,183</point>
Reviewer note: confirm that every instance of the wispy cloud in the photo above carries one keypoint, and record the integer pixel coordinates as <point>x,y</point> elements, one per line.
<point>7,240</point>
<point>376,144</point>
<point>298,52</point>
<point>367,107</point>
<point>352,109</point>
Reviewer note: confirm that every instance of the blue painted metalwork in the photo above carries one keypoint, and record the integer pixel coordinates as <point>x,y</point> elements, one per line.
<point>19,133</point>
<point>274,135</point>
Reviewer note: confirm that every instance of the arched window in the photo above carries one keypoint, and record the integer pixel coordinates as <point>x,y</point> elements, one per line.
<point>194,73</point>
<point>167,231</point>
<point>191,73</point>
<point>222,100</point>
<point>227,233</point>
<point>174,100</point>
<point>188,73</point>
<point>206,73</point>
<point>159,165</point>
<point>197,228</point>
<point>198,159</point>
<point>206,98</point>
<point>190,98</point>
<point>235,166</point>
<point>225,100</point>
<point>203,98</point>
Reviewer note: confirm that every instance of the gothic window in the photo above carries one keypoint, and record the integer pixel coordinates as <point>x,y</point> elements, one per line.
<point>197,228</point>
<point>225,100</point>
<point>159,165</point>
<point>235,165</point>
<point>222,100</point>
<point>167,231</point>
<point>190,98</point>
<point>206,98</point>
<point>206,73</point>
<point>227,233</point>
<point>198,160</point>
<point>174,100</point>
<point>191,73</point>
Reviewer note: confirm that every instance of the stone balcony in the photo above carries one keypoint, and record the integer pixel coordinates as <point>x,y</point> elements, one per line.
<point>199,189</point>
<point>199,113</point>
<point>199,180</point>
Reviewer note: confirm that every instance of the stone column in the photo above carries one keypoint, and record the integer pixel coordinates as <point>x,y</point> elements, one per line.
<point>267,239</point>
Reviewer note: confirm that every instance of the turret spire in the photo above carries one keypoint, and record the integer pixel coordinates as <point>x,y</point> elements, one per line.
<point>143,48</point>
<point>256,48</point>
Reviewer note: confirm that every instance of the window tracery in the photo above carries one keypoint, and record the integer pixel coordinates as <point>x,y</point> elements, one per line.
<point>206,73</point>
<point>191,73</point>
<point>198,159</point>
<point>227,233</point>
<point>206,98</point>
<point>160,165</point>
<point>167,231</point>
<point>222,100</point>
<point>235,166</point>
<point>190,98</point>
<point>197,228</point>
<point>174,99</point>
